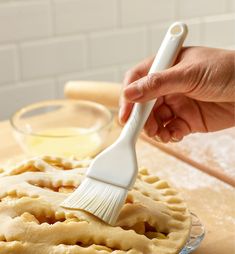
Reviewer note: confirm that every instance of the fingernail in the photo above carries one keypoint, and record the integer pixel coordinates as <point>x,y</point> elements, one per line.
<point>133,92</point>
<point>158,139</point>
<point>174,140</point>
<point>121,115</point>
<point>175,137</point>
<point>152,131</point>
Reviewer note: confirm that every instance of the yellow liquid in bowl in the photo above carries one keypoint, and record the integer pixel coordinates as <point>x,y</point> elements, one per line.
<point>65,142</point>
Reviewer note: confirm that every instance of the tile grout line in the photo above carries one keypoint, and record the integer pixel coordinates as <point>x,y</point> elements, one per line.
<point>106,30</point>
<point>52,18</point>
<point>19,72</point>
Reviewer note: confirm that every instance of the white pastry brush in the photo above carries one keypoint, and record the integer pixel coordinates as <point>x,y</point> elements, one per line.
<point>113,172</point>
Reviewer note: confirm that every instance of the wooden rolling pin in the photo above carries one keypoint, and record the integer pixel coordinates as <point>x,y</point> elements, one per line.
<point>106,93</point>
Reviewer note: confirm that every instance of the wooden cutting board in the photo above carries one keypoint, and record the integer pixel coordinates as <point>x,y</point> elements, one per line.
<point>213,153</point>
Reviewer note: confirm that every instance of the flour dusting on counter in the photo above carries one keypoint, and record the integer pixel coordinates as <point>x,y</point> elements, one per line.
<point>214,150</point>
<point>180,174</point>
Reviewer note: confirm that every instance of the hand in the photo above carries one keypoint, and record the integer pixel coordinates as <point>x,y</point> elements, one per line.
<point>197,94</point>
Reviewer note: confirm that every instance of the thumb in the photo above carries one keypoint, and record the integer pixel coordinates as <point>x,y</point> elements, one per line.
<point>154,85</point>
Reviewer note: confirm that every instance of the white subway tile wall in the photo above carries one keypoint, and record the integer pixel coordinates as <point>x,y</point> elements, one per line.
<point>219,31</point>
<point>21,94</point>
<point>188,9</point>
<point>117,47</point>
<point>52,57</point>
<point>8,64</point>
<point>44,43</point>
<point>136,12</point>
<point>232,5</point>
<point>23,20</point>
<point>76,16</point>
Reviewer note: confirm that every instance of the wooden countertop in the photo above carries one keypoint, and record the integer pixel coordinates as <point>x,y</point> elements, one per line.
<point>210,198</point>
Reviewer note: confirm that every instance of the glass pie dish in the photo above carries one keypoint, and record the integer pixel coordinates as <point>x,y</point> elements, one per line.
<point>196,236</point>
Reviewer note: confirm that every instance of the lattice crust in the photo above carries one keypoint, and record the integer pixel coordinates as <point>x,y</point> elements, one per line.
<point>154,220</point>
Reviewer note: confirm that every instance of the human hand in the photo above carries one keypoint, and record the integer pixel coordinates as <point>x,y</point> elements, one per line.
<point>197,94</point>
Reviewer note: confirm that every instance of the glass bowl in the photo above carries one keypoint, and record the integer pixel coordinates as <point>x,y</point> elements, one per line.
<point>197,234</point>
<point>66,128</point>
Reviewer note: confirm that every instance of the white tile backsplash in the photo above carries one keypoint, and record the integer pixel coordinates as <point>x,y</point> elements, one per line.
<point>117,47</point>
<point>146,11</point>
<point>74,16</point>
<point>8,68</point>
<point>52,57</point>
<point>123,69</point>
<point>22,20</point>
<point>13,97</point>
<point>189,9</point>
<point>44,43</point>
<point>219,32</point>
<point>232,5</point>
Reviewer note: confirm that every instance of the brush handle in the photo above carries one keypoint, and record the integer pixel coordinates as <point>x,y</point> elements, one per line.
<point>164,59</point>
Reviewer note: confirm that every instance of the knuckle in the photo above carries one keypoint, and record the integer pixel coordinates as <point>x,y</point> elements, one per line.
<point>153,81</point>
<point>130,75</point>
<point>191,76</point>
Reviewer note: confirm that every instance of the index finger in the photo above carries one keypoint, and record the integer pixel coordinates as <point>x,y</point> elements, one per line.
<point>137,72</point>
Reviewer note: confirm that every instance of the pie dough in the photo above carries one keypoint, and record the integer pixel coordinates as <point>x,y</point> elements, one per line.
<point>154,219</point>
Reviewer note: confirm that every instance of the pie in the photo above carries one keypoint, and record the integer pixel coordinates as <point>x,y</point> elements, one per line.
<point>154,219</point>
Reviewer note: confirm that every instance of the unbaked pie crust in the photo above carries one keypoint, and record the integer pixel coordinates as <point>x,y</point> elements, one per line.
<point>154,219</point>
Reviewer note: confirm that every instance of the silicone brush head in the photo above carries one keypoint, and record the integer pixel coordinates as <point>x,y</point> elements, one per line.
<point>98,198</point>
<point>109,177</point>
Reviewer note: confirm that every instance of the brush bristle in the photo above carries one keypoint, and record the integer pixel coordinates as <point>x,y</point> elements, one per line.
<point>99,198</point>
